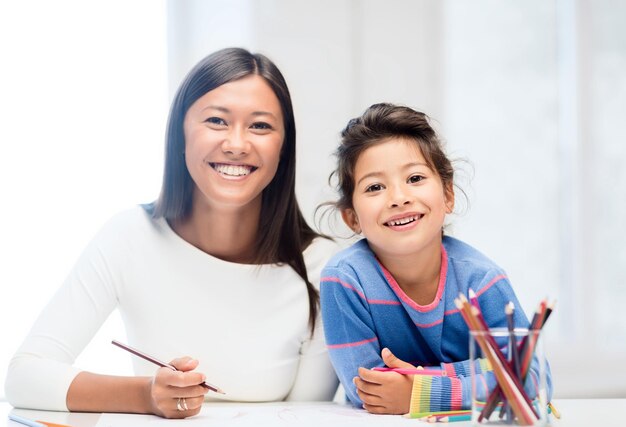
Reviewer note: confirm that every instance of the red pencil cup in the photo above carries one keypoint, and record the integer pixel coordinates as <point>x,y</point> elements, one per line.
<point>508,370</point>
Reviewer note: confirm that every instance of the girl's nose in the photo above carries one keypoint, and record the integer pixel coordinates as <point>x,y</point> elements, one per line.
<point>397,198</point>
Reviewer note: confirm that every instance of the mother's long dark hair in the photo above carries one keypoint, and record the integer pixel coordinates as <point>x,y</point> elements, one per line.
<point>283,233</point>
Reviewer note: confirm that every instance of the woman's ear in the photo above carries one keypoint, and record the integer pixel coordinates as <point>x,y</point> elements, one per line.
<point>351,220</point>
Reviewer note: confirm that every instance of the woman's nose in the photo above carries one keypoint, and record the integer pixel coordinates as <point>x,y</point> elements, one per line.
<point>236,143</point>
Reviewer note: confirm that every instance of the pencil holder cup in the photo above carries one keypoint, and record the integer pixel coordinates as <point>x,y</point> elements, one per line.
<point>508,371</point>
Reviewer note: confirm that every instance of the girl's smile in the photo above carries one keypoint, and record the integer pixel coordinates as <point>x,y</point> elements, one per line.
<point>404,221</point>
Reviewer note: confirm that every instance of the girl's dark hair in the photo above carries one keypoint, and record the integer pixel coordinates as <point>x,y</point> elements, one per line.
<point>377,124</point>
<point>283,233</point>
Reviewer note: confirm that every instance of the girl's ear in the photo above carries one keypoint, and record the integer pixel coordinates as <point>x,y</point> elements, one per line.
<point>351,220</point>
<point>449,194</point>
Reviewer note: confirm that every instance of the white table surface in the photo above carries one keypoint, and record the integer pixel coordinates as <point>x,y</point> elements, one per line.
<point>575,413</point>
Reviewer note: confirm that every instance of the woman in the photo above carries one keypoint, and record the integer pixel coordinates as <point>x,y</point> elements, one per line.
<point>221,266</point>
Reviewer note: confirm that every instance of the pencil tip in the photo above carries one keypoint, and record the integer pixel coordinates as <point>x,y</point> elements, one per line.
<point>509,308</point>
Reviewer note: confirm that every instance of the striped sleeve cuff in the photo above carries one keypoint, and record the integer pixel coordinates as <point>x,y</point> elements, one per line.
<point>433,394</point>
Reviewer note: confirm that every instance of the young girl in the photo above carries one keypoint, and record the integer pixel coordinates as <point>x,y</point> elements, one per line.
<point>389,298</point>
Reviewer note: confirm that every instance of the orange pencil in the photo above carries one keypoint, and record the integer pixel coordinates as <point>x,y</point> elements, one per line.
<point>46,423</point>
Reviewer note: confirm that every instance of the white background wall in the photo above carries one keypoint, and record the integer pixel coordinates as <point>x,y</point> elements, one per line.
<point>531,93</point>
<point>83,104</point>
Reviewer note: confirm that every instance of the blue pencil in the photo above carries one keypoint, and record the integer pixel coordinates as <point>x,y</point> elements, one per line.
<point>25,421</point>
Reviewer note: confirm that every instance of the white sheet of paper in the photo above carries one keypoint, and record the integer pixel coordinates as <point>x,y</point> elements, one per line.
<point>263,414</point>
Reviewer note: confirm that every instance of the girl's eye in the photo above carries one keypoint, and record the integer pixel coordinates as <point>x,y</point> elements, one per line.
<point>215,121</point>
<point>374,187</point>
<point>261,126</point>
<point>415,178</point>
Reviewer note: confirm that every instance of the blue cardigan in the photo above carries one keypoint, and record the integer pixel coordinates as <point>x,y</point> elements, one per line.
<point>364,310</point>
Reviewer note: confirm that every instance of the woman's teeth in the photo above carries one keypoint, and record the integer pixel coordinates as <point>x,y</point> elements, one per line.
<point>232,170</point>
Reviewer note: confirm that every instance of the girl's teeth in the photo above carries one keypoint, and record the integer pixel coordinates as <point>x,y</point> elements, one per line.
<point>403,221</point>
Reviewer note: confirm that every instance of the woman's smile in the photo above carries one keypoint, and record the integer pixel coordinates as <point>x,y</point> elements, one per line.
<point>230,171</point>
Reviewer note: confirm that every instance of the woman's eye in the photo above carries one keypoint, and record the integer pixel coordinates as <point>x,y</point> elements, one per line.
<point>374,187</point>
<point>215,121</point>
<point>415,178</point>
<point>261,125</point>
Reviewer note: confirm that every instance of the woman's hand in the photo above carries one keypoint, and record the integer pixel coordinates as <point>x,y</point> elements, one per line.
<point>178,394</point>
<point>385,392</point>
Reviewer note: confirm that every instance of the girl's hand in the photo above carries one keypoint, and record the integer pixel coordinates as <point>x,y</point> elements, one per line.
<point>385,392</point>
<point>169,386</point>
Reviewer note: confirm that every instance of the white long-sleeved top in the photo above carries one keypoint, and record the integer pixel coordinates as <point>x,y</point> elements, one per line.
<point>246,324</point>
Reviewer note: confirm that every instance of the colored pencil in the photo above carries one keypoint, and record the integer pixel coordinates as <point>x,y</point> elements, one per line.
<point>529,342</point>
<point>549,310</point>
<point>449,418</point>
<point>413,371</point>
<point>25,421</point>
<point>554,411</point>
<point>509,310</point>
<point>473,299</point>
<point>48,424</point>
<point>160,363</point>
